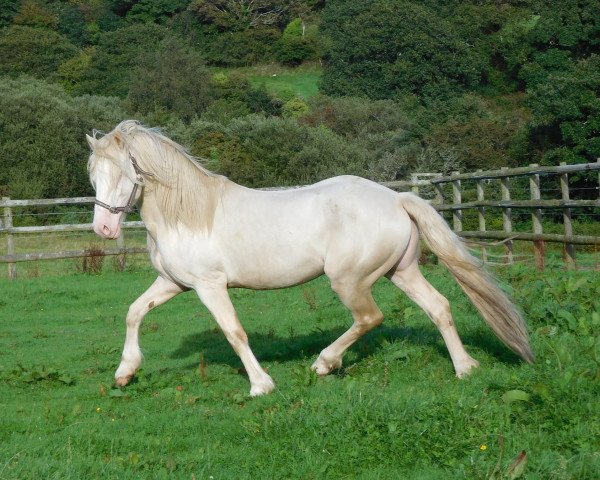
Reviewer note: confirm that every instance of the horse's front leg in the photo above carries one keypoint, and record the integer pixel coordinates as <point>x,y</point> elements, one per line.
<point>159,292</point>
<point>218,302</point>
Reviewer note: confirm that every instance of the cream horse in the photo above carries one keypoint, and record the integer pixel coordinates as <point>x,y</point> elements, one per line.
<point>208,234</point>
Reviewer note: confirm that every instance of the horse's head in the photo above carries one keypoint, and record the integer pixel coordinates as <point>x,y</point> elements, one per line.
<point>115,177</point>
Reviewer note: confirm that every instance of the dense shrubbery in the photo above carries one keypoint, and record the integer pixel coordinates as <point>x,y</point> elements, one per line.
<point>42,154</point>
<point>430,86</point>
<point>545,50</point>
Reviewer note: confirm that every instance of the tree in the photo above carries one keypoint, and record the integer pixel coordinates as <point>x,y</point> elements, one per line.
<point>566,114</point>
<point>229,15</point>
<point>8,10</point>
<point>155,11</point>
<point>297,44</point>
<point>269,151</point>
<point>43,152</point>
<point>111,68</point>
<point>239,47</point>
<point>33,13</point>
<point>72,24</point>
<point>34,51</point>
<point>171,79</point>
<point>386,49</point>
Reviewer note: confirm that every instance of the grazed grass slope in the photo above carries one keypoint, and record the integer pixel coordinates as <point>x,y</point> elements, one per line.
<point>394,411</point>
<point>284,82</point>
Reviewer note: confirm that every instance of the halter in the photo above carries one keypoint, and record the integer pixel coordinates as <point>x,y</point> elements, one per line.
<point>139,176</point>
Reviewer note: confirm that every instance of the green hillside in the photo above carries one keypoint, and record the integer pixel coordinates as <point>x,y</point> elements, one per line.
<point>377,88</point>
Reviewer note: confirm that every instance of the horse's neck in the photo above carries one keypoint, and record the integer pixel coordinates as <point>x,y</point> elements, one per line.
<point>164,207</point>
<point>151,214</point>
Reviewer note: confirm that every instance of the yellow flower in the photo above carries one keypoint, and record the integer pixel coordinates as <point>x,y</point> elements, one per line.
<point>98,409</point>
<point>483,447</point>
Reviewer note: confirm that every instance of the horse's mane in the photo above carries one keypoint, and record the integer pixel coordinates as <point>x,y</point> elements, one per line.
<point>185,191</point>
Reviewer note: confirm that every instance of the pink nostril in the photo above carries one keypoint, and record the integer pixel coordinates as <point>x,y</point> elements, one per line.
<point>105,230</point>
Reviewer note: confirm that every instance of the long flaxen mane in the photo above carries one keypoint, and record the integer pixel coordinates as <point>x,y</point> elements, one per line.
<point>184,190</point>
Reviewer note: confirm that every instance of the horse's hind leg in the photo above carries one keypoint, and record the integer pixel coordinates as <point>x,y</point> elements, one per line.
<point>411,280</point>
<point>366,315</point>
<point>159,292</point>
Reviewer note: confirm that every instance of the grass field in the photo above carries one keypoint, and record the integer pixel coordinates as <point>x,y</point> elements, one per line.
<point>284,82</point>
<point>304,84</point>
<point>394,411</point>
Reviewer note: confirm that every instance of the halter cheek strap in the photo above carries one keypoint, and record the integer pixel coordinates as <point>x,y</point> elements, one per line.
<point>139,176</point>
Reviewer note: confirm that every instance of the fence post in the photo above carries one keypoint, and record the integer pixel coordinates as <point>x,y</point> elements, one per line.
<point>507,216</point>
<point>456,199</point>
<point>10,242</point>
<point>121,246</point>
<point>414,178</point>
<point>536,218</point>
<point>481,214</point>
<point>568,224</point>
<point>439,193</point>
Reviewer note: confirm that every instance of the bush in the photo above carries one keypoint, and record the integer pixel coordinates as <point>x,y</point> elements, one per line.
<point>112,67</point>
<point>171,79</point>
<point>239,48</point>
<point>43,153</point>
<point>295,108</point>
<point>8,10</point>
<point>476,134</point>
<point>33,51</point>
<point>566,113</point>
<point>155,11</point>
<point>386,49</point>
<point>283,152</point>
<point>297,44</point>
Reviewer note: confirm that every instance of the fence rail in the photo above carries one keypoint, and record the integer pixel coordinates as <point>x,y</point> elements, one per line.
<point>435,184</point>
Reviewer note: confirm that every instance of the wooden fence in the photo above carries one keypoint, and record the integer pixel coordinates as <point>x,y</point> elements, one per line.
<point>535,204</point>
<point>433,186</point>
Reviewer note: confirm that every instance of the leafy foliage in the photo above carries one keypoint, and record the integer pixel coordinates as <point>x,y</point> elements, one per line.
<point>153,11</point>
<point>170,79</point>
<point>41,127</point>
<point>111,68</point>
<point>297,44</point>
<point>243,151</point>
<point>404,86</point>
<point>33,51</point>
<point>386,48</point>
<point>566,108</point>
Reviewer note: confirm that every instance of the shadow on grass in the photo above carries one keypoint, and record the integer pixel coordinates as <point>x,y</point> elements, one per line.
<point>271,347</point>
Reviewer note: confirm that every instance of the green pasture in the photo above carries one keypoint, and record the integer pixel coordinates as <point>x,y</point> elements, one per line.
<point>304,85</point>
<point>394,411</point>
<point>284,82</point>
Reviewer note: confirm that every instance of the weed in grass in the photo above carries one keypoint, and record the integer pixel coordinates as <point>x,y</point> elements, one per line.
<point>310,297</point>
<point>93,260</point>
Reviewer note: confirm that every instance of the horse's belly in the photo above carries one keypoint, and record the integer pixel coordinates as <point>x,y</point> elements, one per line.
<point>272,269</point>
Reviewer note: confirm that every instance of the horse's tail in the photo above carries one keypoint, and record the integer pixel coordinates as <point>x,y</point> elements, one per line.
<point>493,304</point>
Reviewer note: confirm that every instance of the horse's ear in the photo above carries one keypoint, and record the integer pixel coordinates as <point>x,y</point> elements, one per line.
<point>92,142</point>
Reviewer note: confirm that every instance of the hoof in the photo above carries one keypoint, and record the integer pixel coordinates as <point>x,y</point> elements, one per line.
<point>323,367</point>
<point>467,368</point>
<point>264,387</point>
<point>122,381</point>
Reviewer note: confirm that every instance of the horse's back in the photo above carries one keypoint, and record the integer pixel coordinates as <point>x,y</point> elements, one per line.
<point>334,226</point>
